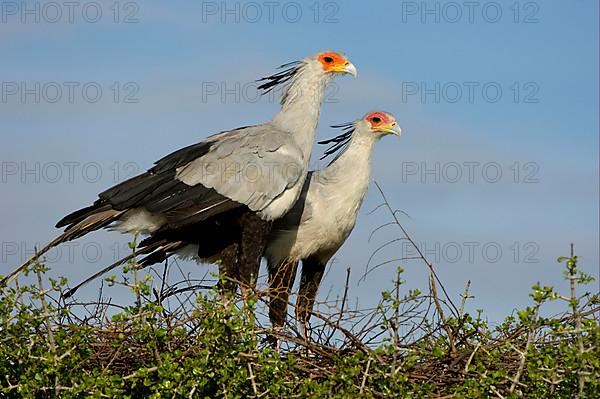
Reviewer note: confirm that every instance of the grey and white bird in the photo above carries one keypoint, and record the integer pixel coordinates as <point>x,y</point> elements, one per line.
<point>229,187</point>
<point>324,216</point>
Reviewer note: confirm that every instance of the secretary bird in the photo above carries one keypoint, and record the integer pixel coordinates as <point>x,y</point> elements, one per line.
<point>324,216</point>
<point>318,224</point>
<point>205,184</point>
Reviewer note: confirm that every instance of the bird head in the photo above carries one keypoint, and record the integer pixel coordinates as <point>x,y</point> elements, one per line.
<point>380,123</point>
<point>324,64</point>
<point>373,126</point>
<point>332,62</point>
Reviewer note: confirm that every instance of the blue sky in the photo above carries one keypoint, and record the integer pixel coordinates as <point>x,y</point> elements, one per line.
<point>540,133</point>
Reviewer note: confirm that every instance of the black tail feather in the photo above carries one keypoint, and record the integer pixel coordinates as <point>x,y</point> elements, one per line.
<point>78,215</point>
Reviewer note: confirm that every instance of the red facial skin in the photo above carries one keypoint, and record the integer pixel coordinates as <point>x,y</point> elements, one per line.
<point>379,119</point>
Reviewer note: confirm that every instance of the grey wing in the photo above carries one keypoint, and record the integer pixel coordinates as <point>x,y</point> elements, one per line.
<point>159,191</point>
<point>253,167</point>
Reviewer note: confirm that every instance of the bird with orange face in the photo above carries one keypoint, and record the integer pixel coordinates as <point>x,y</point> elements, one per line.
<point>220,196</point>
<point>324,216</point>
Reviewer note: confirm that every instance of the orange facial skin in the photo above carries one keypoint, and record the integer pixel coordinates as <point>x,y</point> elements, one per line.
<point>332,61</point>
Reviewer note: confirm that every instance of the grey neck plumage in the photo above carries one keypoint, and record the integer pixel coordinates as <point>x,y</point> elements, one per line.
<point>352,168</point>
<point>300,107</point>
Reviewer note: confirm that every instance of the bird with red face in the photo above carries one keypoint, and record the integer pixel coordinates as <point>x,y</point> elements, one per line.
<point>324,216</point>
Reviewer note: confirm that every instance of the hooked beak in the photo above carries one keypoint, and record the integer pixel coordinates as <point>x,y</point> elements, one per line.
<point>349,68</point>
<point>393,128</point>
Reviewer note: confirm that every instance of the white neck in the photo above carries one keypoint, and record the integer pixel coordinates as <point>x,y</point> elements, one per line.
<point>348,177</point>
<point>301,106</point>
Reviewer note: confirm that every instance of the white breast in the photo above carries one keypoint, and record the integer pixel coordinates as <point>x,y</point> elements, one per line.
<point>333,214</point>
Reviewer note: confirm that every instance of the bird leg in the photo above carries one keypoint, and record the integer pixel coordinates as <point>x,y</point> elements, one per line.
<point>312,273</point>
<point>229,268</point>
<point>254,233</point>
<point>281,279</point>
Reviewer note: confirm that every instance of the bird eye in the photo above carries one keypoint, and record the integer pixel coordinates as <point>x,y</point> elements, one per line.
<point>376,119</point>
<point>328,60</point>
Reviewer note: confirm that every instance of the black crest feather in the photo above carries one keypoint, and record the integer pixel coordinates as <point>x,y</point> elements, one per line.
<point>289,70</point>
<point>340,142</point>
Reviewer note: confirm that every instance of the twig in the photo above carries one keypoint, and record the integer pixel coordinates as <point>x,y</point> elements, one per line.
<point>252,379</point>
<point>46,315</point>
<point>365,375</point>
<point>344,297</point>
<point>464,297</point>
<point>440,311</point>
<point>523,354</point>
<point>429,265</point>
<point>470,359</point>
<point>135,374</point>
<point>577,319</point>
